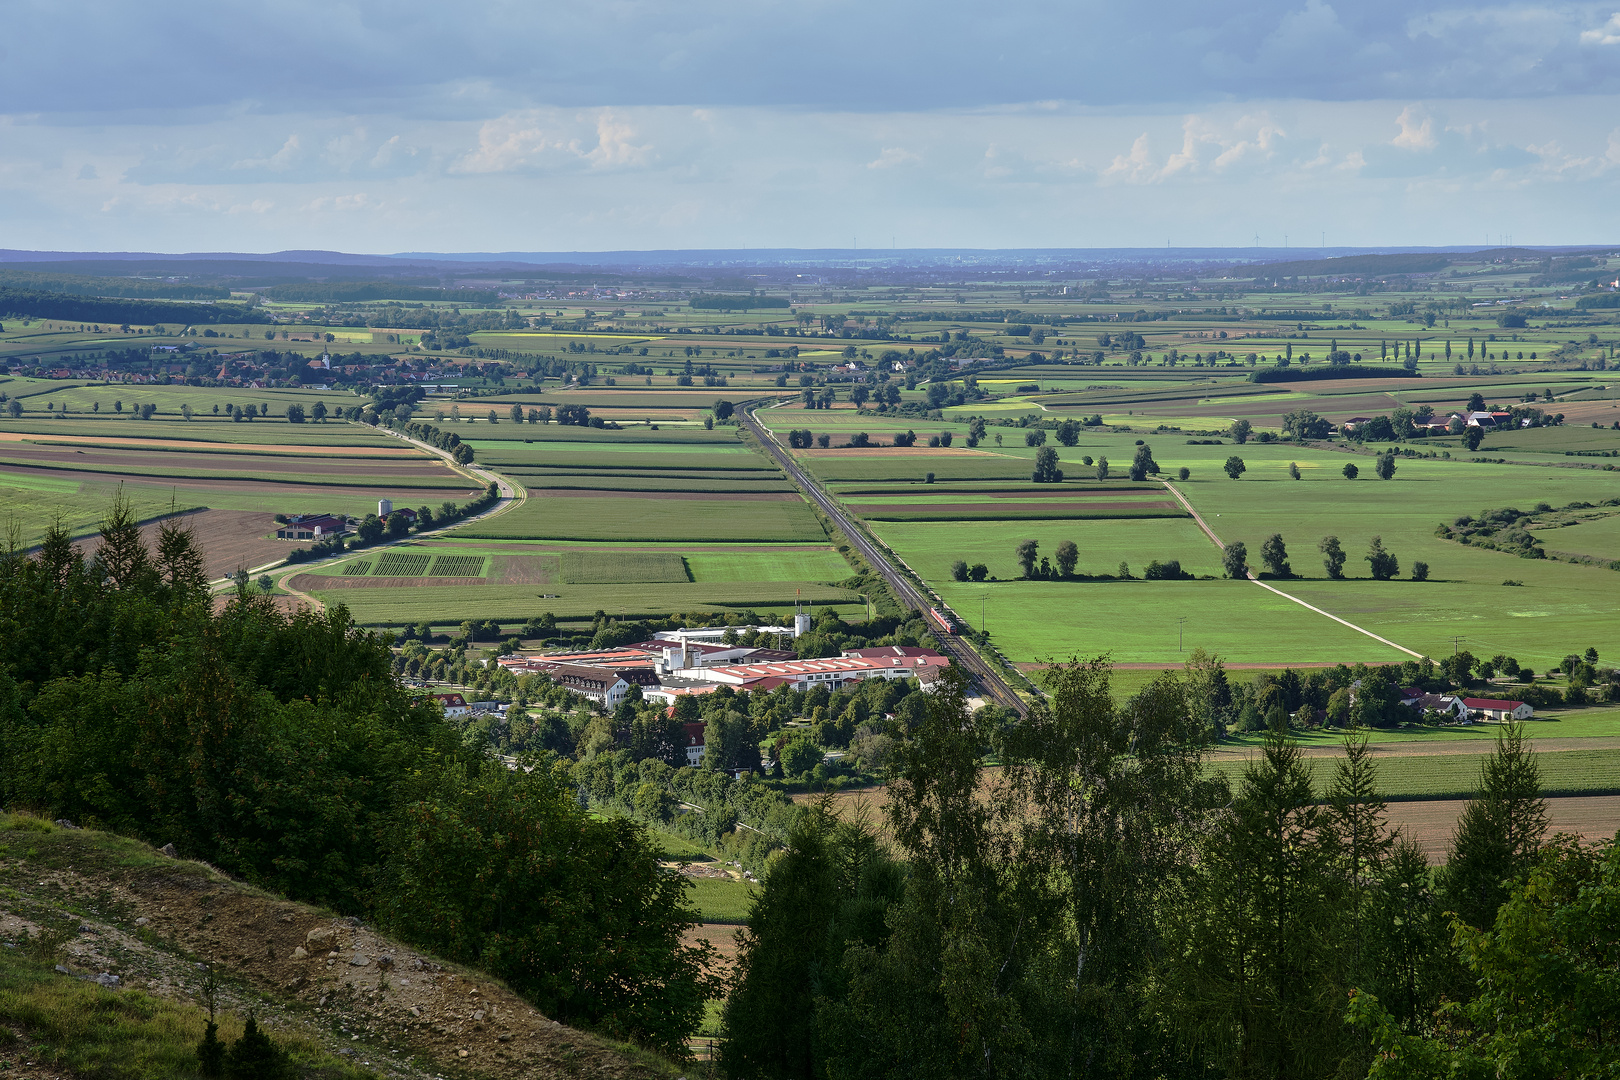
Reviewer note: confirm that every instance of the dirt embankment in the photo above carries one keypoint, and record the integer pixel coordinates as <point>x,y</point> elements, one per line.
<point>154,922</point>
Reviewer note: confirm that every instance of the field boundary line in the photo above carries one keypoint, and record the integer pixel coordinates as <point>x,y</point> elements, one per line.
<point>1202,524</point>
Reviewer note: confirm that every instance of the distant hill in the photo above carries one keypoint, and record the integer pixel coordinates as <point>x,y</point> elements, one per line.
<point>1358,266</point>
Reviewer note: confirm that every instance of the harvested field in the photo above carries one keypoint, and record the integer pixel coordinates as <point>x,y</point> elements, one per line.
<point>526,569</point>
<point>1430,824</point>
<point>228,539</point>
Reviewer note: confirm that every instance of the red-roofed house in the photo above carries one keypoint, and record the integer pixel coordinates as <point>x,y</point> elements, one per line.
<point>1496,709</point>
<point>453,704</point>
<point>694,743</point>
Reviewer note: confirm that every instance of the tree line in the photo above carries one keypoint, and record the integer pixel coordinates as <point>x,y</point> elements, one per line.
<point>1100,905</point>
<point>280,748</point>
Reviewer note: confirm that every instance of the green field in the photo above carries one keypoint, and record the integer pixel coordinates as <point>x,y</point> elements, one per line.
<point>618,568</point>
<point>721,900</point>
<point>665,513</point>
<point>1558,608</point>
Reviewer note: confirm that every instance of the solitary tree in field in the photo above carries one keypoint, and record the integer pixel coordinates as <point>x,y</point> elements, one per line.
<point>1183,473</point>
<point>1240,431</point>
<point>1384,564</point>
<point>1293,470</point>
<point>1234,467</point>
<point>1143,464</point>
<point>1350,470</point>
<point>517,414</point>
<point>1275,555</point>
<point>1046,470</point>
<point>1420,571</point>
<point>1235,558</point>
<point>318,411</point>
<point>1035,437</point>
<point>1385,465</point>
<point>1102,468</point>
<point>1332,556</point>
<point>1067,555</point>
<point>1473,437</point>
<point>1027,554</point>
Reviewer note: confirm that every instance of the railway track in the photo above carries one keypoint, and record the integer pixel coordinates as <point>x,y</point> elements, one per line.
<point>990,683</point>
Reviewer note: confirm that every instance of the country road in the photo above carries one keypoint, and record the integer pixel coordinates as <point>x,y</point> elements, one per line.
<point>1216,540</point>
<point>511,495</point>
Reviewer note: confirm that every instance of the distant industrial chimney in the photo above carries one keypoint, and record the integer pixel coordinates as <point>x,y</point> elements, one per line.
<point>385,507</point>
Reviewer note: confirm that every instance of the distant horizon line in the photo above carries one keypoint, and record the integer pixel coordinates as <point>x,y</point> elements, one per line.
<point>807,255</point>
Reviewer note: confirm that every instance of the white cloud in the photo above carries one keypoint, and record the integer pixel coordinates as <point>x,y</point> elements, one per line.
<point>1207,146</point>
<point>1417,130</point>
<point>613,145</point>
<point>511,142</point>
<point>1607,34</point>
<point>279,161</point>
<point>343,204</point>
<point>893,156</point>
<point>535,138</point>
<point>1136,166</point>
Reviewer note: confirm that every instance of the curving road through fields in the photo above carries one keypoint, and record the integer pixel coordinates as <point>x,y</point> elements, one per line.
<point>989,681</point>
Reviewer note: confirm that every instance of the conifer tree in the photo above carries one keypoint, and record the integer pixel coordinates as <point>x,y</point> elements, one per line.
<point>1255,979</point>
<point>1496,839</point>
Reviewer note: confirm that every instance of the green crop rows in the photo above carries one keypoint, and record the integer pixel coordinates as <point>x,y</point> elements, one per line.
<point>394,564</point>
<point>457,566</point>
<point>618,568</point>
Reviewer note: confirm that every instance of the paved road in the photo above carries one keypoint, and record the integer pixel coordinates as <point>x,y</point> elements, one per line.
<point>1256,581</point>
<point>511,495</point>
<point>989,681</point>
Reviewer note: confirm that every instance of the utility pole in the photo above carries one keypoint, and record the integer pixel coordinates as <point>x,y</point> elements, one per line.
<point>1181,624</point>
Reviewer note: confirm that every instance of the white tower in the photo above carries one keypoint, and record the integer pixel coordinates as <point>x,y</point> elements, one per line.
<point>385,507</point>
<point>801,621</point>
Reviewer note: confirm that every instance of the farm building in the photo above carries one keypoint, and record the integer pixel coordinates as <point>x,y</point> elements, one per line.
<point>452,704</point>
<point>1440,703</point>
<point>605,686</point>
<point>312,527</point>
<point>832,673</point>
<point>1497,709</point>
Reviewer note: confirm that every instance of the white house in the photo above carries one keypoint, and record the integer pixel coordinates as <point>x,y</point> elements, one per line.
<point>1496,709</point>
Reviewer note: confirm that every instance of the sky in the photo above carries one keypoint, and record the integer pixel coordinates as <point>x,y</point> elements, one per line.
<point>500,125</point>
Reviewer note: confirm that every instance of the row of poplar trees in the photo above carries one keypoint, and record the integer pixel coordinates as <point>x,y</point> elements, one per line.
<point>1099,905</point>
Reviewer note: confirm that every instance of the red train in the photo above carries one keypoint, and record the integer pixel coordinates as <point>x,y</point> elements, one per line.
<point>944,621</point>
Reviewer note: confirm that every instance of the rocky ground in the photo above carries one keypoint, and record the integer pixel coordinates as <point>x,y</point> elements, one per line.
<point>135,920</point>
